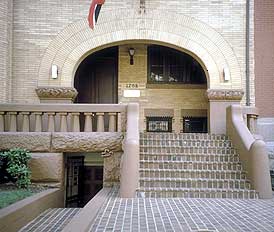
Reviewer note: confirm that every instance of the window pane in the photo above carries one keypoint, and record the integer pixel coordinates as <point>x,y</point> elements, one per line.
<point>171,66</point>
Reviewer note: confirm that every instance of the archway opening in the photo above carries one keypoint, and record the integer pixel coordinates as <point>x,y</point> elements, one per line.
<point>96,78</point>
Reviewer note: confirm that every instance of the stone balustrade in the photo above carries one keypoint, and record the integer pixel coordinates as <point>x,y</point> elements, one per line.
<point>61,117</point>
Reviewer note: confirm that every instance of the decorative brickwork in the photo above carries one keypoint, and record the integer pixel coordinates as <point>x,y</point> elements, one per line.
<point>188,34</point>
<point>225,94</point>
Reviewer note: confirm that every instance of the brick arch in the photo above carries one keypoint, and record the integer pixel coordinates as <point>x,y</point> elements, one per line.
<point>115,27</point>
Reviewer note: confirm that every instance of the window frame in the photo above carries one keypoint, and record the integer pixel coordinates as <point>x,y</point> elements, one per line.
<point>166,66</point>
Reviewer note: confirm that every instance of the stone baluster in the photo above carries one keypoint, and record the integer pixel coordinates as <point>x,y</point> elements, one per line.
<point>112,122</point>
<point>88,122</point>
<point>75,122</point>
<point>252,123</point>
<point>26,122</point>
<point>51,122</point>
<point>13,121</point>
<point>2,122</point>
<point>100,122</point>
<point>119,122</point>
<point>63,122</point>
<point>38,121</point>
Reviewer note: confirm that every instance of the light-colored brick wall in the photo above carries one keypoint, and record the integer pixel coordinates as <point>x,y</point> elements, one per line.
<point>220,40</point>
<point>6,13</point>
<point>173,97</point>
<point>264,56</point>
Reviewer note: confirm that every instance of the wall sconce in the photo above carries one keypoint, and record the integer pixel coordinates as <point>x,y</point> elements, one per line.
<point>54,71</point>
<point>131,53</point>
<point>226,74</point>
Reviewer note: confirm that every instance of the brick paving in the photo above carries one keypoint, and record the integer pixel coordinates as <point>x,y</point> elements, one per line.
<point>52,220</point>
<point>185,214</point>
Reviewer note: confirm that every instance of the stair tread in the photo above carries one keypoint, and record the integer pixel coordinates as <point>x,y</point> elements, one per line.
<point>187,170</point>
<point>194,189</point>
<point>188,154</point>
<point>184,179</point>
<point>188,161</point>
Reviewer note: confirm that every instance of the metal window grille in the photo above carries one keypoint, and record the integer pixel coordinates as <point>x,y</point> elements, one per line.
<point>159,124</point>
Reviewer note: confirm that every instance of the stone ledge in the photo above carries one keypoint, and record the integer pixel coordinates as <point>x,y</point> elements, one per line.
<point>17,215</point>
<point>32,141</point>
<point>225,94</point>
<point>62,142</point>
<point>86,142</point>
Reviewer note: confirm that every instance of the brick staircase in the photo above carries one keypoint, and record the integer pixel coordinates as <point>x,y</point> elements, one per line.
<point>191,165</point>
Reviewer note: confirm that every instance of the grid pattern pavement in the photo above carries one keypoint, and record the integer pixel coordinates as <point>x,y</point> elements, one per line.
<point>185,214</point>
<point>51,220</point>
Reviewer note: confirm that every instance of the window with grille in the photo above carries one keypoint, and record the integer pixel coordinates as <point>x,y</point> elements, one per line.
<point>167,65</point>
<point>195,124</point>
<point>159,124</point>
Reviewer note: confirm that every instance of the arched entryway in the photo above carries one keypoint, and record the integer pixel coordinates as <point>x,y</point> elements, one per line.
<point>96,78</point>
<point>171,82</point>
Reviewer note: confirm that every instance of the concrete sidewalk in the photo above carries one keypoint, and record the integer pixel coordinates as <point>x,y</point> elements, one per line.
<point>177,214</point>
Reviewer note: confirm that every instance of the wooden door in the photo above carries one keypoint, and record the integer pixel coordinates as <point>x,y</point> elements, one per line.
<point>96,78</point>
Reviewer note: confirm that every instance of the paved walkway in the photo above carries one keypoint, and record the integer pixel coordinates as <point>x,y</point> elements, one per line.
<point>52,220</point>
<point>190,214</point>
<point>167,214</point>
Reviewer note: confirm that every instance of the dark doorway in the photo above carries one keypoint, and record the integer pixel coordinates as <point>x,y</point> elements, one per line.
<point>93,182</point>
<point>96,78</point>
<point>74,185</point>
<point>83,181</point>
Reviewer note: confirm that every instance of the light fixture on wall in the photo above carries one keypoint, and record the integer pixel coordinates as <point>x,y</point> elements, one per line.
<point>131,53</point>
<point>54,71</point>
<point>226,74</point>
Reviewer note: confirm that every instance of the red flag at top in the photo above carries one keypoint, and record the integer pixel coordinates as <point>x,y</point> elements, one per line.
<point>94,11</point>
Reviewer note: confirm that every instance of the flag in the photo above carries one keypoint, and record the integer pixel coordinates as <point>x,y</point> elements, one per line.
<point>94,11</point>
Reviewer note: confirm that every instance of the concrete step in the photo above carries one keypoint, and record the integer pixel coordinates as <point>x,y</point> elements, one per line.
<point>186,143</point>
<point>189,157</point>
<point>187,150</point>
<point>194,183</point>
<point>190,165</point>
<point>182,136</point>
<point>196,193</point>
<point>177,173</point>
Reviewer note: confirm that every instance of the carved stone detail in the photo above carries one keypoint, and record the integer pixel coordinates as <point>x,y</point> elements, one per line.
<point>44,92</point>
<point>225,94</point>
<point>86,142</point>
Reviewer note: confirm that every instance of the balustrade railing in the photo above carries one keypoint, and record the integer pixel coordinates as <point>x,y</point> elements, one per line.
<point>61,117</point>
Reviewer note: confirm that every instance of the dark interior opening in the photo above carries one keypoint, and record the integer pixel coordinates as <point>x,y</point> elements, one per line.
<point>195,124</point>
<point>82,182</point>
<point>96,78</point>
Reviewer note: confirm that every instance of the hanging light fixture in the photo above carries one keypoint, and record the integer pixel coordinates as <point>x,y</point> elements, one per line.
<point>131,53</point>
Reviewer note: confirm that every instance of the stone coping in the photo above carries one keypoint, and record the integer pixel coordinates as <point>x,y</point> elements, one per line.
<point>62,141</point>
<point>83,220</point>
<point>17,215</point>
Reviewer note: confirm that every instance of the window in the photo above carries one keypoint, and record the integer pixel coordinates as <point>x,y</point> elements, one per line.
<point>159,124</point>
<point>195,124</point>
<point>167,65</point>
